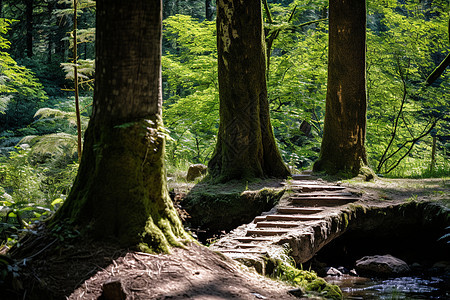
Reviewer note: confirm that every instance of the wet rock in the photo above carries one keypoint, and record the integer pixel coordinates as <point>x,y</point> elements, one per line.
<point>333,272</point>
<point>196,171</point>
<point>416,267</point>
<point>353,272</point>
<point>297,293</point>
<point>440,267</point>
<point>343,270</point>
<point>381,265</point>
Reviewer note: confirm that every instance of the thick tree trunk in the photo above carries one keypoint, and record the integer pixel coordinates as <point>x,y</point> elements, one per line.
<point>343,148</point>
<point>120,190</point>
<point>29,26</point>
<point>246,145</point>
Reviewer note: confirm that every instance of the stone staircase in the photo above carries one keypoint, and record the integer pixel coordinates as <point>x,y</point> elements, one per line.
<point>307,203</point>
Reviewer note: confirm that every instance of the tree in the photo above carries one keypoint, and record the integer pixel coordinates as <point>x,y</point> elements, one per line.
<point>342,149</point>
<point>209,10</point>
<point>442,66</point>
<point>15,80</point>
<point>120,190</point>
<point>246,145</point>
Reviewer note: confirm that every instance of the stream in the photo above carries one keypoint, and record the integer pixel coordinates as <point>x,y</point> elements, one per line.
<point>411,288</point>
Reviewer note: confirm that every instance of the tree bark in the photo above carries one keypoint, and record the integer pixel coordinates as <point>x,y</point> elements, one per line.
<point>120,190</point>
<point>29,26</point>
<point>246,145</point>
<point>342,149</point>
<point>209,10</point>
<point>439,70</point>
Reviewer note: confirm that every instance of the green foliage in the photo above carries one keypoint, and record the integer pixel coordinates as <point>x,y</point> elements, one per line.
<point>14,79</point>
<point>404,43</point>
<point>191,111</point>
<point>48,120</point>
<point>29,193</point>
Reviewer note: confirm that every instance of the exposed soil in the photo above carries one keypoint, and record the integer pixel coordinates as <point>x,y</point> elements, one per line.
<point>80,271</point>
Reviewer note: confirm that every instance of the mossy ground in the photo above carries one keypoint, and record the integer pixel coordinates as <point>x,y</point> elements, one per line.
<point>218,207</point>
<point>308,281</point>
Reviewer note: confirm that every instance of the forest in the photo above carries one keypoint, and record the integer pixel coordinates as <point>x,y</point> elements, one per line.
<point>59,117</point>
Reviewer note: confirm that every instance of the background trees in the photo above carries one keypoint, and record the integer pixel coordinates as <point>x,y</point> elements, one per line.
<point>405,42</point>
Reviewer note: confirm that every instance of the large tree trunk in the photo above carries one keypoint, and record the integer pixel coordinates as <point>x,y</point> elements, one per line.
<point>29,26</point>
<point>246,145</point>
<point>343,148</point>
<point>120,190</point>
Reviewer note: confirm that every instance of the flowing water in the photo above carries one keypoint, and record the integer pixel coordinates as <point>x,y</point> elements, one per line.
<point>411,288</point>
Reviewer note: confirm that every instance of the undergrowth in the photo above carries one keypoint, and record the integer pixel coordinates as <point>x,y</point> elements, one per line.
<point>29,194</point>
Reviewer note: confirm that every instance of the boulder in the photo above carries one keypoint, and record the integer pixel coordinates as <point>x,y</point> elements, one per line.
<point>196,171</point>
<point>381,265</point>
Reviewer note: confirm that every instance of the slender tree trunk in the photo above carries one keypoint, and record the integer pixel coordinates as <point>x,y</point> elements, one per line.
<point>51,34</point>
<point>209,10</point>
<point>120,190</point>
<point>433,154</point>
<point>246,145</point>
<point>29,26</point>
<point>75,79</point>
<point>439,70</point>
<point>343,148</point>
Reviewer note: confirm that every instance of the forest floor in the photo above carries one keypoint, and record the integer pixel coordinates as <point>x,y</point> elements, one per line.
<point>79,269</point>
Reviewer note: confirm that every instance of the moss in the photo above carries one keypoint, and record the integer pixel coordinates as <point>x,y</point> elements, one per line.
<point>307,281</point>
<point>344,220</point>
<point>121,188</point>
<point>328,291</point>
<point>226,206</point>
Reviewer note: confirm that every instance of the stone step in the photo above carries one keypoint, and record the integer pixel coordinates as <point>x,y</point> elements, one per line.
<point>303,177</point>
<point>247,251</point>
<point>247,246</point>
<point>316,188</point>
<point>305,182</point>
<point>267,232</point>
<point>319,194</point>
<point>292,218</point>
<point>312,188</point>
<point>276,224</point>
<point>298,210</point>
<point>322,201</point>
<point>249,239</point>
<point>259,219</point>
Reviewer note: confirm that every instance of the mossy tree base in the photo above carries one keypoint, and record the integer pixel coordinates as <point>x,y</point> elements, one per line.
<point>120,190</point>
